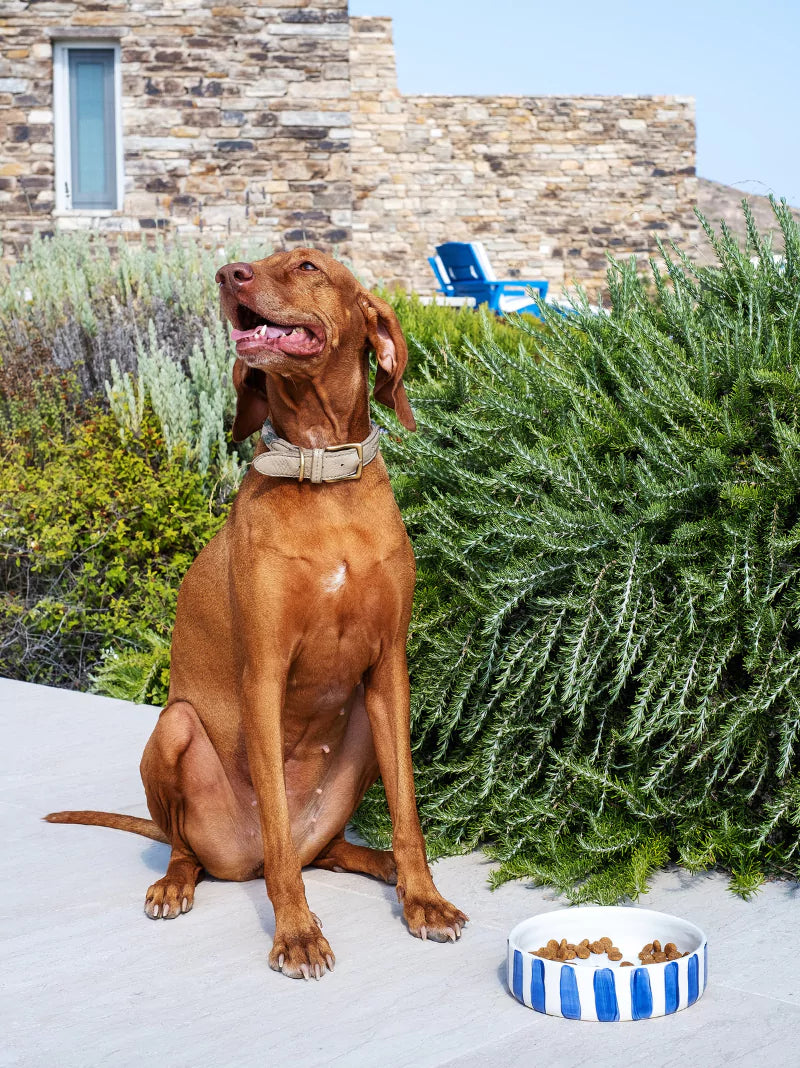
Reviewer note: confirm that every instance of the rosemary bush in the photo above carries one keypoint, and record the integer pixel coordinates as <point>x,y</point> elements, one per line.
<point>606,648</point>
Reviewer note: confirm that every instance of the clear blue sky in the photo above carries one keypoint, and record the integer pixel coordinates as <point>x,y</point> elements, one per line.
<point>741,62</point>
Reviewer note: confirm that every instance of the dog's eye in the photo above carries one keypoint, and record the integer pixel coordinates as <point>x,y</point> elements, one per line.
<point>307,266</point>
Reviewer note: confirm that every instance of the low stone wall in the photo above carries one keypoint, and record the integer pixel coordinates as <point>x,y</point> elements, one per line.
<point>547,183</point>
<point>236,118</point>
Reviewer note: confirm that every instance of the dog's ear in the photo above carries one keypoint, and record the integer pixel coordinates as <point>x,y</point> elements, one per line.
<point>252,407</point>
<point>386,338</point>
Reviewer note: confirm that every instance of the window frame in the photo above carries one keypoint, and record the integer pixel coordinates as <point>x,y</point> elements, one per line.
<point>61,123</point>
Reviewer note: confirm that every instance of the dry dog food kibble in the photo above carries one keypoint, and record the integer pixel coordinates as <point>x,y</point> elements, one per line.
<point>652,953</point>
<point>565,950</point>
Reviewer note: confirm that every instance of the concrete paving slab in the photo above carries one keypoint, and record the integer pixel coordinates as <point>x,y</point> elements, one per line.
<point>89,980</point>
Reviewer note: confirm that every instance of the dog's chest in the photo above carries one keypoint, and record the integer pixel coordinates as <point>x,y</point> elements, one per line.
<point>349,609</point>
<point>335,581</point>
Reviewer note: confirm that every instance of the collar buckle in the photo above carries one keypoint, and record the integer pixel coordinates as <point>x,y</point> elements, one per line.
<point>359,447</point>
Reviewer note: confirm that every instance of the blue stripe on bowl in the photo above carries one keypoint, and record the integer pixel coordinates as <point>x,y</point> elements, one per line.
<point>537,985</point>
<point>671,995</point>
<point>705,965</point>
<point>570,999</point>
<point>694,965</point>
<point>605,995</point>
<point>516,985</point>
<point>641,995</point>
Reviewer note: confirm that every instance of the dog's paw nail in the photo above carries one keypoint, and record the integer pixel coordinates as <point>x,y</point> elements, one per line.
<point>305,971</point>
<point>165,911</point>
<point>337,868</point>
<point>281,959</point>
<point>329,961</point>
<point>316,920</point>
<point>185,905</point>
<point>451,934</point>
<point>317,971</point>
<point>155,912</point>
<point>423,933</point>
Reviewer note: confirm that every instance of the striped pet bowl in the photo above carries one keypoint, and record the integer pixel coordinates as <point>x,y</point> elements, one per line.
<point>597,988</point>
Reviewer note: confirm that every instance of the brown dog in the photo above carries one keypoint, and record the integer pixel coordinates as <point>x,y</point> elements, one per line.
<point>289,688</point>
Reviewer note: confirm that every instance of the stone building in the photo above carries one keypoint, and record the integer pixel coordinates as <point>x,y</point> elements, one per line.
<point>283,123</point>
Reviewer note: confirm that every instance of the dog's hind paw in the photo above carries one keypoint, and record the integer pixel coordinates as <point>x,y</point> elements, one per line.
<point>301,954</point>
<point>167,899</point>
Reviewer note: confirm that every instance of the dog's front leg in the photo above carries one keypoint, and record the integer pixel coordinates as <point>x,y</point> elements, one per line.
<point>299,949</point>
<point>427,913</point>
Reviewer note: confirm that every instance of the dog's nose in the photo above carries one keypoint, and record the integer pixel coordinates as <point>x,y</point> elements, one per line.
<point>235,275</point>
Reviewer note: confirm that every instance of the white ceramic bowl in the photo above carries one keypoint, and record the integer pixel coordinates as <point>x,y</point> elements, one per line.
<point>597,988</point>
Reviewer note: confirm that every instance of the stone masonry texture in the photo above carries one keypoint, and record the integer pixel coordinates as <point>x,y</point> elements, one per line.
<point>236,117</point>
<point>548,184</point>
<point>282,124</point>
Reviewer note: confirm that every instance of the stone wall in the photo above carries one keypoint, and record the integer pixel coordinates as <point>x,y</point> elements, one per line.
<point>283,124</point>
<point>547,183</point>
<point>235,117</point>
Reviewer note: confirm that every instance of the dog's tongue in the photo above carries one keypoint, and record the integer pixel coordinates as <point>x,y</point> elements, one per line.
<point>261,331</point>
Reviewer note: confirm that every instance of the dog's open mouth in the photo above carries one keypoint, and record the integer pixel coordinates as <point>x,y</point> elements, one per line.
<point>254,335</point>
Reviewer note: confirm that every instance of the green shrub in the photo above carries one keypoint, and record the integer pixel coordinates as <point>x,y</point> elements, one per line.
<point>77,307</point>
<point>194,409</point>
<point>434,330</point>
<point>606,648</point>
<point>94,542</point>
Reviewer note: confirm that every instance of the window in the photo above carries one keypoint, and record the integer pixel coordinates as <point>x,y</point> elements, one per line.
<point>87,115</point>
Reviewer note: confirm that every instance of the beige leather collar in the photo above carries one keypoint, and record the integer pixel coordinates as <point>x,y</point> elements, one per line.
<point>335,463</point>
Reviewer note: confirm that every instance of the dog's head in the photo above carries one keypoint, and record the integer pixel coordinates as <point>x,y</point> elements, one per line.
<point>299,314</point>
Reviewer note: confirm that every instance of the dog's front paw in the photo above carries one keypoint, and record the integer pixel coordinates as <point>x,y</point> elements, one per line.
<point>301,953</point>
<point>433,917</point>
<point>168,898</point>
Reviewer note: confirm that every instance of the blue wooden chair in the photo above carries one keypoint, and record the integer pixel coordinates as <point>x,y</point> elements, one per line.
<point>463,269</point>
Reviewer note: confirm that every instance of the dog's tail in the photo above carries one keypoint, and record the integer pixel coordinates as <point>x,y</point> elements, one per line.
<point>87,817</point>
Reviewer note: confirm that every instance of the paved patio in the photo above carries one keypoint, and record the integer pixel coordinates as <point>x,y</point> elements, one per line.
<point>88,980</point>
